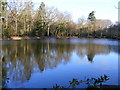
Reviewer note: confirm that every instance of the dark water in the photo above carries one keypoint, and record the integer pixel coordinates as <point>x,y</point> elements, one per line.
<point>44,63</point>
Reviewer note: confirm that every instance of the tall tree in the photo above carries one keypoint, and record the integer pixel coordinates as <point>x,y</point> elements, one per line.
<point>91,16</point>
<point>91,23</point>
<point>50,18</point>
<point>3,14</point>
<point>40,20</point>
<point>43,17</point>
<point>28,20</point>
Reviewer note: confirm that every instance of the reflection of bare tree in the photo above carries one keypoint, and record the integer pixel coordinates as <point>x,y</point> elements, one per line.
<point>4,73</point>
<point>18,64</point>
<point>22,58</point>
<point>49,55</point>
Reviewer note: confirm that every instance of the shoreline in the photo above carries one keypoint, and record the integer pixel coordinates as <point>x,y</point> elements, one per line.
<point>45,37</point>
<point>20,38</point>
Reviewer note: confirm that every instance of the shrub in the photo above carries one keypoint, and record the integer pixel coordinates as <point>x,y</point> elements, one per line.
<point>6,32</point>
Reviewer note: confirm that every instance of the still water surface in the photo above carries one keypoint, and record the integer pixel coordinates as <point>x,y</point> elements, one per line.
<point>44,63</point>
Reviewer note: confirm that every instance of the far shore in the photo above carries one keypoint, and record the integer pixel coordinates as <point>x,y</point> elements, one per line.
<point>35,37</point>
<point>45,37</point>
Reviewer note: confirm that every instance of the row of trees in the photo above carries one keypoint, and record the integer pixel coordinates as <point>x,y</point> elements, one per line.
<point>20,18</point>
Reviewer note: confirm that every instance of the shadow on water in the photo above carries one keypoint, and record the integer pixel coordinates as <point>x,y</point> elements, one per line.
<point>22,58</point>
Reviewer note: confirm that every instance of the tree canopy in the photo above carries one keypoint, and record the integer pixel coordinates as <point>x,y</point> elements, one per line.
<point>91,16</point>
<point>21,19</point>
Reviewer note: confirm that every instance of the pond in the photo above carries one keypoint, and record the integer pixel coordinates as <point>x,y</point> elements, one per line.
<point>47,62</point>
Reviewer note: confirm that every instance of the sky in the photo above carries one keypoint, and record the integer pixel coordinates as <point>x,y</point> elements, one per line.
<point>105,9</point>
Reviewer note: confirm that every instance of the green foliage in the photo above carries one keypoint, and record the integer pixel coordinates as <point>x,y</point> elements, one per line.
<point>39,29</point>
<point>57,86</point>
<point>24,20</point>
<point>91,82</point>
<point>40,23</point>
<point>3,4</point>
<point>3,8</point>
<point>91,16</point>
<point>22,32</point>
<point>6,33</point>
<point>74,82</point>
<point>97,81</point>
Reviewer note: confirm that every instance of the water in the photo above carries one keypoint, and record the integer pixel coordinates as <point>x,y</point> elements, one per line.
<point>44,63</point>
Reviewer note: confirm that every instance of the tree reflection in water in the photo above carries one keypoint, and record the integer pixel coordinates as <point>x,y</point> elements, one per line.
<point>22,58</point>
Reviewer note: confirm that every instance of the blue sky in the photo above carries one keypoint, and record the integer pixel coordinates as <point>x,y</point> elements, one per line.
<point>105,9</point>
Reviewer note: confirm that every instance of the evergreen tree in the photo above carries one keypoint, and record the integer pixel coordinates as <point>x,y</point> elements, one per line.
<point>91,16</point>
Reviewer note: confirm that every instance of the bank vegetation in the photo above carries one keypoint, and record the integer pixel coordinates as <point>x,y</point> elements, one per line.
<point>22,19</point>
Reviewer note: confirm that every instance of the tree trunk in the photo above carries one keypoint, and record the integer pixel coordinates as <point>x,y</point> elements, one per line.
<point>1,27</point>
<point>24,26</point>
<point>48,30</point>
<point>6,22</point>
<point>16,23</point>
